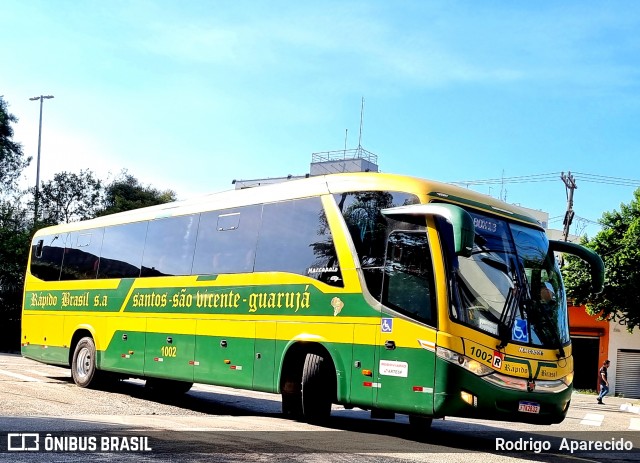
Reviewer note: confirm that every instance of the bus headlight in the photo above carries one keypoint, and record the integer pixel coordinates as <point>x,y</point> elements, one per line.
<point>508,382</point>
<point>465,362</point>
<point>520,384</point>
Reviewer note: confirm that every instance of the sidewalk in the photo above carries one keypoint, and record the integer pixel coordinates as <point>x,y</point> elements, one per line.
<point>623,403</point>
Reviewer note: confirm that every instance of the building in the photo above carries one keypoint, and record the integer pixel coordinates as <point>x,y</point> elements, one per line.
<point>326,162</point>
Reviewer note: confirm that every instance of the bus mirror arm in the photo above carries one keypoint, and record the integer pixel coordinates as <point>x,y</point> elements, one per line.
<point>586,254</point>
<point>460,220</point>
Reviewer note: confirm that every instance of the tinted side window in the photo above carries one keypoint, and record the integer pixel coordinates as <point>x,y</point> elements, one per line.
<point>46,256</point>
<point>170,246</point>
<point>369,229</point>
<point>81,255</point>
<point>408,276</point>
<point>227,241</point>
<point>295,237</point>
<point>122,248</point>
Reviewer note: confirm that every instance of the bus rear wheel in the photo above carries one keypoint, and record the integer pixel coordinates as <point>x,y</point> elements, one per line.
<point>83,365</point>
<point>317,389</point>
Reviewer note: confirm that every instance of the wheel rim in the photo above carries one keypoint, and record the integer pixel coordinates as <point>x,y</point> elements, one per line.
<point>83,364</point>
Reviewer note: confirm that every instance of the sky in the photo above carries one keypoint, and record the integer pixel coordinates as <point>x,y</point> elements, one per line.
<point>190,95</point>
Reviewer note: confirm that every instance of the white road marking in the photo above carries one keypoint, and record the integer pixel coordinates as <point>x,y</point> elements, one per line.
<point>19,376</point>
<point>40,373</point>
<point>592,419</point>
<point>634,424</point>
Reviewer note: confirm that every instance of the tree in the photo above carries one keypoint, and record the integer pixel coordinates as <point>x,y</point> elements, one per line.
<point>14,249</point>
<point>70,197</point>
<point>618,243</point>
<point>14,232</point>
<point>126,193</point>
<point>12,160</point>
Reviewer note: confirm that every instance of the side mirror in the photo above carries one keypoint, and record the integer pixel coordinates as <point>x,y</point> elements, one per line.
<point>586,254</point>
<point>462,223</point>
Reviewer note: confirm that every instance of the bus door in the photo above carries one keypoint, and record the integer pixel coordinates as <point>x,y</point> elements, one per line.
<point>169,349</point>
<point>406,367</point>
<point>406,337</point>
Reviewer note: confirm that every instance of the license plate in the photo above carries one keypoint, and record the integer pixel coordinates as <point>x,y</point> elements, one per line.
<point>528,407</point>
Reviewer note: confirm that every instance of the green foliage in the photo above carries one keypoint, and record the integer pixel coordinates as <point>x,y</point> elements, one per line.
<point>619,246</point>
<point>70,197</point>
<point>12,160</point>
<point>14,232</point>
<point>14,249</point>
<point>126,193</point>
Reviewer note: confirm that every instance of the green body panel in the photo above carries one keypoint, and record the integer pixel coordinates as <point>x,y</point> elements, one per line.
<point>483,206</point>
<point>95,300</point>
<point>280,300</point>
<point>406,378</point>
<point>264,366</point>
<point>225,361</point>
<point>52,355</point>
<point>169,356</point>
<point>126,353</point>
<point>364,361</point>
<point>493,402</point>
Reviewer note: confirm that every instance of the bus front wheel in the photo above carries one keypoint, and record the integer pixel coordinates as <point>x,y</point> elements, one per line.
<point>83,365</point>
<point>316,389</point>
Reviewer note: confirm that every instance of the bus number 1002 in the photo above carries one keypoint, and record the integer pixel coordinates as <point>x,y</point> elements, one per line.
<point>168,351</point>
<point>481,354</point>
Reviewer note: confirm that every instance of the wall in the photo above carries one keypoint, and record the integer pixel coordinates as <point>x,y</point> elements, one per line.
<point>584,325</point>
<point>620,338</point>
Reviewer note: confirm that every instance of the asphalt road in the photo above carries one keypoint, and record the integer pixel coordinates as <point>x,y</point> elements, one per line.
<point>39,404</point>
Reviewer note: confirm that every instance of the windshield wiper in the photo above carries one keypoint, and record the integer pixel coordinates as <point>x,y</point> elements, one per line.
<point>508,315</point>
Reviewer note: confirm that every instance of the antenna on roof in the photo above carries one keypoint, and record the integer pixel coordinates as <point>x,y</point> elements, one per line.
<point>361,119</point>
<point>346,132</point>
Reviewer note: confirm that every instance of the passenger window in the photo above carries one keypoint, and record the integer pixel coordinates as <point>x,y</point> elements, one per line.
<point>227,241</point>
<point>295,237</point>
<point>369,229</point>
<point>46,256</point>
<point>408,276</point>
<point>121,253</point>
<point>81,255</point>
<point>170,246</point>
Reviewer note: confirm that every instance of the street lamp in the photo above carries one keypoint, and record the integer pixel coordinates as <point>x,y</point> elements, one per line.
<point>35,212</point>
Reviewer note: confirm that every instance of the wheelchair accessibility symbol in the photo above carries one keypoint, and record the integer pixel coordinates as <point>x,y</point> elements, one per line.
<point>520,331</point>
<point>386,325</point>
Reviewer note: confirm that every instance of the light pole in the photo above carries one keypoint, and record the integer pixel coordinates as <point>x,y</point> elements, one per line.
<point>35,212</point>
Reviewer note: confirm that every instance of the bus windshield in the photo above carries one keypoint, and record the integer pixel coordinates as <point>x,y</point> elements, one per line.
<point>511,284</point>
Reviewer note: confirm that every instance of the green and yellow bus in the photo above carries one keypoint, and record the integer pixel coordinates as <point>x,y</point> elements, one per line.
<point>385,292</point>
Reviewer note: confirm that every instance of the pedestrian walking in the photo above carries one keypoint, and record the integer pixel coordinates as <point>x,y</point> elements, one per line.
<point>604,381</point>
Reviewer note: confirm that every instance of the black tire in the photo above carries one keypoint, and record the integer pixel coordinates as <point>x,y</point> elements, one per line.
<point>83,364</point>
<point>292,404</point>
<point>167,387</point>
<point>317,389</point>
